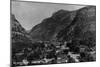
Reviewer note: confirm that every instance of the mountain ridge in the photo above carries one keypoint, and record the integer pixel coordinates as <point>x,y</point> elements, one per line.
<point>49,27</point>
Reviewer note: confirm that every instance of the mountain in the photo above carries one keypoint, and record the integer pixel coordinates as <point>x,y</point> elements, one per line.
<point>63,20</point>
<point>19,36</point>
<point>82,29</point>
<point>49,27</point>
<point>16,26</point>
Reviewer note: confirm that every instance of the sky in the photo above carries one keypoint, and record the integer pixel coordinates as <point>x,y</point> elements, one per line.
<point>30,14</point>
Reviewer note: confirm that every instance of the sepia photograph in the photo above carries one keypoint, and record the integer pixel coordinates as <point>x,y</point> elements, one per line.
<point>45,33</point>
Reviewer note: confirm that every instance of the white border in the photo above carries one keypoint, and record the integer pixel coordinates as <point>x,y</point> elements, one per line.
<point>87,2</point>
<point>5,33</point>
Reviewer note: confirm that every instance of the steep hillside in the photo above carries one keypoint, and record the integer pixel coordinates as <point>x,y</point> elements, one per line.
<point>65,20</point>
<point>19,36</point>
<point>49,27</point>
<point>82,28</point>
